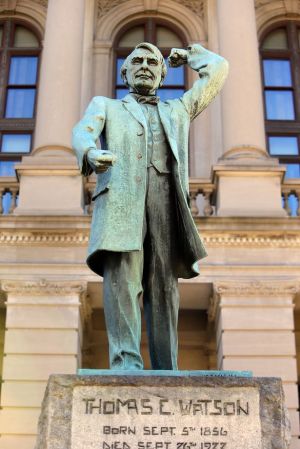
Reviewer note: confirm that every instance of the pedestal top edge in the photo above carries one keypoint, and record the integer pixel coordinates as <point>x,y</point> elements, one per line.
<point>163,373</point>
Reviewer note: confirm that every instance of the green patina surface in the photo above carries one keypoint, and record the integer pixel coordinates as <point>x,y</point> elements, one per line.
<point>143,236</point>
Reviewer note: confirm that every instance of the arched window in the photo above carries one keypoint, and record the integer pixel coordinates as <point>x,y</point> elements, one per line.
<point>165,38</point>
<point>280,53</point>
<point>20,49</point>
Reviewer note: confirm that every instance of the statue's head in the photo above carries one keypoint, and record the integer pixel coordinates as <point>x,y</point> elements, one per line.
<point>144,70</point>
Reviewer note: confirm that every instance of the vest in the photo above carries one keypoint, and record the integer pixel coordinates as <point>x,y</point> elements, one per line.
<point>158,150</point>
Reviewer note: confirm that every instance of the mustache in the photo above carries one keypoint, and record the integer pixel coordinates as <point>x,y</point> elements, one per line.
<point>144,73</point>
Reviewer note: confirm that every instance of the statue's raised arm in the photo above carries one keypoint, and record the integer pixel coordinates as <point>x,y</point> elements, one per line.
<point>212,70</point>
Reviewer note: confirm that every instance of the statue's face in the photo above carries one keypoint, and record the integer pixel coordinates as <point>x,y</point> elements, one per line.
<point>143,72</point>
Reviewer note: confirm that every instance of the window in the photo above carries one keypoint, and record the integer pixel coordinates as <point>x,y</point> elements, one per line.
<point>164,38</point>
<point>19,62</point>
<point>280,53</point>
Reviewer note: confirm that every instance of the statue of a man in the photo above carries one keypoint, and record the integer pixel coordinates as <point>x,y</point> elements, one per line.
<point>143,236</point>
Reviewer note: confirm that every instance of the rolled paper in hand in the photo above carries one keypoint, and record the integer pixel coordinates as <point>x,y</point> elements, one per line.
<point>106,160</point>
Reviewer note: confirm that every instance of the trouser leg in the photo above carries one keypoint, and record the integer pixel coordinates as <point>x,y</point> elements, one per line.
<point>161,296</point>
<point>122,290</point>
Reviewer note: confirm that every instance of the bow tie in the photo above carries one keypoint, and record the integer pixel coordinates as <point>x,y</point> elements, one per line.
<point>146,99</point>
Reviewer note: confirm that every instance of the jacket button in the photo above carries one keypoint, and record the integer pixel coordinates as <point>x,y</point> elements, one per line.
<point>138,179</point>
<point>139,156</point>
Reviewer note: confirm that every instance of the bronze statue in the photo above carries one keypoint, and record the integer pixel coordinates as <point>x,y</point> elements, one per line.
<point>143,236</point>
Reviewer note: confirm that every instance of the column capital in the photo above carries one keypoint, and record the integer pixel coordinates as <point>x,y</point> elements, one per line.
<point>252,293</point>
<point>43,287</point>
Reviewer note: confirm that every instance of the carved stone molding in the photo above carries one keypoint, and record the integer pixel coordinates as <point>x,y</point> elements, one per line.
<point>8,5</point>
<point>254,288</point>
<point>211,239</point>
<point>44,238</point>
<point>254,240</point>
<point>260,3</point>
<point>43,3</point>
<point>291,6</point>
<point>197,6</point>
<point>11,5</point>
<point>267,11</point>
<point>43,287</point>
<point>104,6</point>
<point>248,289</point>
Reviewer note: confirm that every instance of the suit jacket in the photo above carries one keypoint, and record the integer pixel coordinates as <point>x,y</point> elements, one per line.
<point>119,195</point>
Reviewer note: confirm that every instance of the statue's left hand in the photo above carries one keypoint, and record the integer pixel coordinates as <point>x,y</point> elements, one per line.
<point>177,57</point>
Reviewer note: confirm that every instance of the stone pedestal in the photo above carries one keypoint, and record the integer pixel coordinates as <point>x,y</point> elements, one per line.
<point>255,330</point>
<point>249,184</point>
<point>50,183</point>
<point>172,411</point>
<point>43,336</point>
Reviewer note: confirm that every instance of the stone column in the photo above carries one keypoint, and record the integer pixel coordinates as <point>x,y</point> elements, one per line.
<point>60,76</point>
<point>103,80</point>
<point>52,167</point>
<point>43,336</point>
<point>87,91</point>
<point>249,181</point>
<point>255,331</point>
<point>242,106</point>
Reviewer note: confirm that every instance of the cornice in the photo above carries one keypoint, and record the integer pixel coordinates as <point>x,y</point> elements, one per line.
<point>43,287</point>
<point>212,239</point>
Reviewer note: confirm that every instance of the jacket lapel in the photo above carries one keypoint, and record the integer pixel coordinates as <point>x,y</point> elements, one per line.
<point>165,117</point>
<point>135,109</point>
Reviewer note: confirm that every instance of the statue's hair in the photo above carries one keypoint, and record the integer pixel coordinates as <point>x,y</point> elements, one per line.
<point>153,49</point>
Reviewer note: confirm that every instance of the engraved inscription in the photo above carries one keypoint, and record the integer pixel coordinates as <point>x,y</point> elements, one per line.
<point>165,418</point>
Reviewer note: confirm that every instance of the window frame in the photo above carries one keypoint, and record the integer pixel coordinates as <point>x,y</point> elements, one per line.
<point>291,127</point>
<point>7,51</point>
<point>150,35</point>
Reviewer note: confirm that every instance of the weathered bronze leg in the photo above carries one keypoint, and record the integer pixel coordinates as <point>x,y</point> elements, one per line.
<point>161,296</point>
<point>122,290</point>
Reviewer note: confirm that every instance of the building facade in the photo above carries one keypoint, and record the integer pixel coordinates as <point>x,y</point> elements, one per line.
<point>243,311</point>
